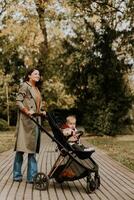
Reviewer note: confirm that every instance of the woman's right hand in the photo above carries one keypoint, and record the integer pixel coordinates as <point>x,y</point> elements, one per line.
<point>30,112</point>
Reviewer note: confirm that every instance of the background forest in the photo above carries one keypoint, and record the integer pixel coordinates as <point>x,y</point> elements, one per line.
<point>84,50</point>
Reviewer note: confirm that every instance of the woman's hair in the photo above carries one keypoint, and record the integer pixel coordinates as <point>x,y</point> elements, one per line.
<point>29,72</point>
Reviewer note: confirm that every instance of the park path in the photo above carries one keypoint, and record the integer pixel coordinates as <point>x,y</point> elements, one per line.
<point>117,182</point>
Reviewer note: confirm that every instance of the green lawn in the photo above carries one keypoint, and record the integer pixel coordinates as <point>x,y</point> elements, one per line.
<point>121,148</point>
<point>7,140</point>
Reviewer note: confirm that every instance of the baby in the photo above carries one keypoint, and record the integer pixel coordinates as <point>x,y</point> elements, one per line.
<point>69,130</point>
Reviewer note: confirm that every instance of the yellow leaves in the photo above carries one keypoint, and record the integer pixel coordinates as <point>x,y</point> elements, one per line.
<point>55,90</point>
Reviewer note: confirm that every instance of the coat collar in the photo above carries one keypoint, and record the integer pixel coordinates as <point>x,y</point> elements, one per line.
<point>32,91</point>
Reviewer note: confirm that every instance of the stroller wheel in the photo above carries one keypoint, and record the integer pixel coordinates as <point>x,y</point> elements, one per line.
<point>91,186</point>
<point>97,182</point>
<point>40,181</point>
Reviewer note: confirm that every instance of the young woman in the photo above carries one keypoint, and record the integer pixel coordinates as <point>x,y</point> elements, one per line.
<point>29,101</point>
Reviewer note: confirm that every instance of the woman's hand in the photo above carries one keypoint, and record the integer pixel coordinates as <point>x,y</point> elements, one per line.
<point>30,113</point>
<point>27,112</point>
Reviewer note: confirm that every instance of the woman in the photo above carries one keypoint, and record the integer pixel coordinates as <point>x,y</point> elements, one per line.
<point>28,134</point>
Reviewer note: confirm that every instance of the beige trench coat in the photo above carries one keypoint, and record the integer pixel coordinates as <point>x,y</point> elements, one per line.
<point>27,132</point>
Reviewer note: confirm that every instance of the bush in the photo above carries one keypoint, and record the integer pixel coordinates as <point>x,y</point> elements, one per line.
<point>3,125</point>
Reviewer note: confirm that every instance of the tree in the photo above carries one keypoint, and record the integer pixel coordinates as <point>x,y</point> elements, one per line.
<point>85,44</point>
<point>96,63</point>
<point>7,98</point>
<point>30,46</point>
<point>40,8</point>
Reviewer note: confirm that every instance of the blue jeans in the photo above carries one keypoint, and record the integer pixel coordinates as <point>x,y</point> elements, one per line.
<point>31,169</point>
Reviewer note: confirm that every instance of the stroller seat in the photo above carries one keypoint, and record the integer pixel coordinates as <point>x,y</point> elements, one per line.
<point>55,120</point>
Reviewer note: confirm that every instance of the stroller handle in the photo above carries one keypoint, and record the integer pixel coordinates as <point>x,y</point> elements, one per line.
<point>32,117</point>
<point>38,115</point>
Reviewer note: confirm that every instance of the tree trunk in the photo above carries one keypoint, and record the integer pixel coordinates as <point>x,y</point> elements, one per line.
<point>40,8</point>
<point>7,102</point>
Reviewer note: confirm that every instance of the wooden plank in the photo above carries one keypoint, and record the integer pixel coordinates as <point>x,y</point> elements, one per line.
<point>116,183</point>
<point>51,190</point>
<point>117,169</point>
<point>120,183</point>
<point>119,176</point>
<point>59,188</point>
<point>36,194</point>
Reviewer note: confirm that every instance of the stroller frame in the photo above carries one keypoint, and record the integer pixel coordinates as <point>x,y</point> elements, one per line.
<point>66,158</point>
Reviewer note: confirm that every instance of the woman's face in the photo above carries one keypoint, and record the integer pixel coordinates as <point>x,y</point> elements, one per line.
<point>35,76</point>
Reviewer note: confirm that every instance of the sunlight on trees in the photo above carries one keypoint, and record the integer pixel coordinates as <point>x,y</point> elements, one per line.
<point>83,50</point>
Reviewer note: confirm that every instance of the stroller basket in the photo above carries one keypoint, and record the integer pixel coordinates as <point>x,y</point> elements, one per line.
<point>72,169</point>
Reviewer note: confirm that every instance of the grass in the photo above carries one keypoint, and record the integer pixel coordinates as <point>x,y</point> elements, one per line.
<point>7,140</point>
<point>120,148</point>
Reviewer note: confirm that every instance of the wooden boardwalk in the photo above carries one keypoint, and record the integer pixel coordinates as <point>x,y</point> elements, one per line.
<point>117,182</point>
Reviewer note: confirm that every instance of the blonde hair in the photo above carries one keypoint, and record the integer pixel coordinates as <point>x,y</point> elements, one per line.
<point>70,118</point>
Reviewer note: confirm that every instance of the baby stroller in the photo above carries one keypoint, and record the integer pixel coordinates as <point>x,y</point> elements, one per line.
<point>71,164</point>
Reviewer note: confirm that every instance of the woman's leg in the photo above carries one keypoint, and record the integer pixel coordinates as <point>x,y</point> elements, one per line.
<point>17,175</point>
<point>32,167</point>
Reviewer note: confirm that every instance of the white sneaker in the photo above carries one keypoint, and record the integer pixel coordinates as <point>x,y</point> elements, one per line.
<point>89,149</point>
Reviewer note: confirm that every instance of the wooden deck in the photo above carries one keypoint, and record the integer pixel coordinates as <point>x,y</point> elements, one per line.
<point>117,182</point>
